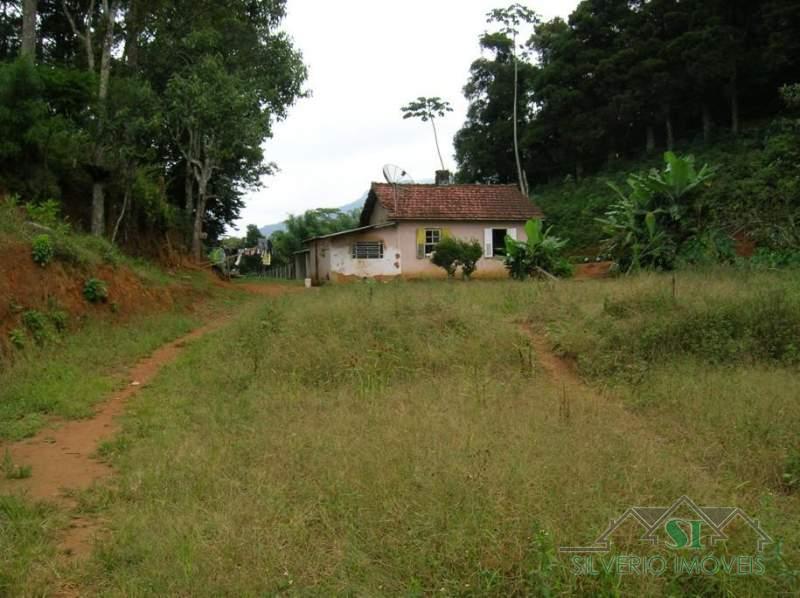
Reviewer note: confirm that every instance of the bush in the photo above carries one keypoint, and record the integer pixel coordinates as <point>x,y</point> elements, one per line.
<point>450,253</point>
<point>47,213</point>
<point>446,255</point>
<point>36,323</point>
<point>17,338</point>
<point>59,319</point>
<point>471,253</point>
<point>540,253</point>
<point>95,291</point>
<point>43,250</point>
<point>772,259</point>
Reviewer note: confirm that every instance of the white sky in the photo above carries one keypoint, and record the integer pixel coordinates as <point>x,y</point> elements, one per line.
<point>366,59</point>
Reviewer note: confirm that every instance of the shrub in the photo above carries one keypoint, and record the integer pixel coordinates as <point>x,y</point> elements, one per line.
<point>540,254</point>
<point>450,253</point>
<point>650,222</point>
<point>36,323</point>
<point>43,250</point>
<point>471,253</point>
<point>17,338</point>
<point>772,259</point>
<point>59,319</point>
<point>95,290</point>
<point>446,255</point>
<point>47,213</point>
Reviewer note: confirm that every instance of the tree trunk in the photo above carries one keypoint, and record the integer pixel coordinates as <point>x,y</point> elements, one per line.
<point>98,190</point>
<point>579,170</point>
<point>188,190</point>
<point>436,139</point>
<point>28,29</point>
<point>651,139</point>
<point>98,208</point>
<point>706,123</point>
<point>516,141</point>
<point>133,27</point>
<point>197,231</point>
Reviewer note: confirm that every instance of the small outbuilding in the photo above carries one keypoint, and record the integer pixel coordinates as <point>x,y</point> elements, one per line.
<point>401,224</point>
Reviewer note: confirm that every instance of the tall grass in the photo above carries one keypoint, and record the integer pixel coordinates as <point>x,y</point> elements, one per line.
<point>67,379</point>
<point>381,440</point>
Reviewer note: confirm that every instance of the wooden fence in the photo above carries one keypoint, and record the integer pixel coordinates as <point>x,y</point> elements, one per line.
<point>280,272</point>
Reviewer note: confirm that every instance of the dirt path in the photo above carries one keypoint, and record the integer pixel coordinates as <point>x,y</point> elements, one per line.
<point>61,456</point>
<point>575,393</point>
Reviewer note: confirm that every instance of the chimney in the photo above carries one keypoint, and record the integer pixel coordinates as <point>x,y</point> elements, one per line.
<point>442,177</point>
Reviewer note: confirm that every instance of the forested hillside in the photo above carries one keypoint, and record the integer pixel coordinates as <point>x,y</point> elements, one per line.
<point>142,116</point>
<point>622,78</point>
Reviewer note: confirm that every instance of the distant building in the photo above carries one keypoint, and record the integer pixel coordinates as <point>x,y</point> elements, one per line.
<point>401,224</point>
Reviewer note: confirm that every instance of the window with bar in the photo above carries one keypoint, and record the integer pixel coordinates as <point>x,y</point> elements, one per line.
<point>368,250</point>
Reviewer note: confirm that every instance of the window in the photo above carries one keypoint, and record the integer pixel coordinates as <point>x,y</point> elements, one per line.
<point>432,238</point>
<point>368,250</point>
<point>499,241</point>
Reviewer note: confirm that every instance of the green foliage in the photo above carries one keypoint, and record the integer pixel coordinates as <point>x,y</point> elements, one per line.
<point>540,253</point>
<point>17,338</point>
<point>649,223</point>
<point>451,253</point>
<point>253,236</point>
<point>426,108</point>
<point>13,471</point>
<point>471,253</point>
<point>95,291</point>
<point>311,223</point>
<point>791,95</point>
<point>42,250</point>
<point>446,255</point>
<point>59,319</point>
<point>653,327</point>
<point>37,324</point>
<point>616,80</point>
<point>772,259</point>
<point>47,213</point>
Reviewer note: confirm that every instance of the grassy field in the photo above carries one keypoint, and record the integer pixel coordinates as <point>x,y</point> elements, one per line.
<point>405,438</point>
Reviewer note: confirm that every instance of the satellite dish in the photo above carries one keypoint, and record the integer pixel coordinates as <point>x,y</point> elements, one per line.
<point>395,175</point>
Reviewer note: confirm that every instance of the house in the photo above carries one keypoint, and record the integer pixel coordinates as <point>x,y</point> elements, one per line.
<point>401,224</point>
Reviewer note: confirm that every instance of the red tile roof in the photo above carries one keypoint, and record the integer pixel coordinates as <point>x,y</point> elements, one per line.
<point>453,202</point>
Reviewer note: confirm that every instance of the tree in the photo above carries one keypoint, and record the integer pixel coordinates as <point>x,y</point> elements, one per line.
<point>511,19</point>
<point>214,117</point>
<point>312,223</point>
<point>252,236</point>
<point>428,109</point>
<point>84,28</point>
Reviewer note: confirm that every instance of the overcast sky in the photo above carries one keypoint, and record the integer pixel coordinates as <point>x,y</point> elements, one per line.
<point>366,59</point>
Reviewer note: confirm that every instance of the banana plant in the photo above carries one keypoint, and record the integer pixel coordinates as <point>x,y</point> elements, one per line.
<point>539,253</point>
<point>647,223</point>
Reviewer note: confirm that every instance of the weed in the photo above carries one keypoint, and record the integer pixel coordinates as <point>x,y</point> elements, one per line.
<point>95,291</point>
<point>59,319</point>
<point>13,471</point>
<point>17,338</point>
<point>36,324</point>
<point>47,213</point>
<point>791,473</point>
<point>42,250</point>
